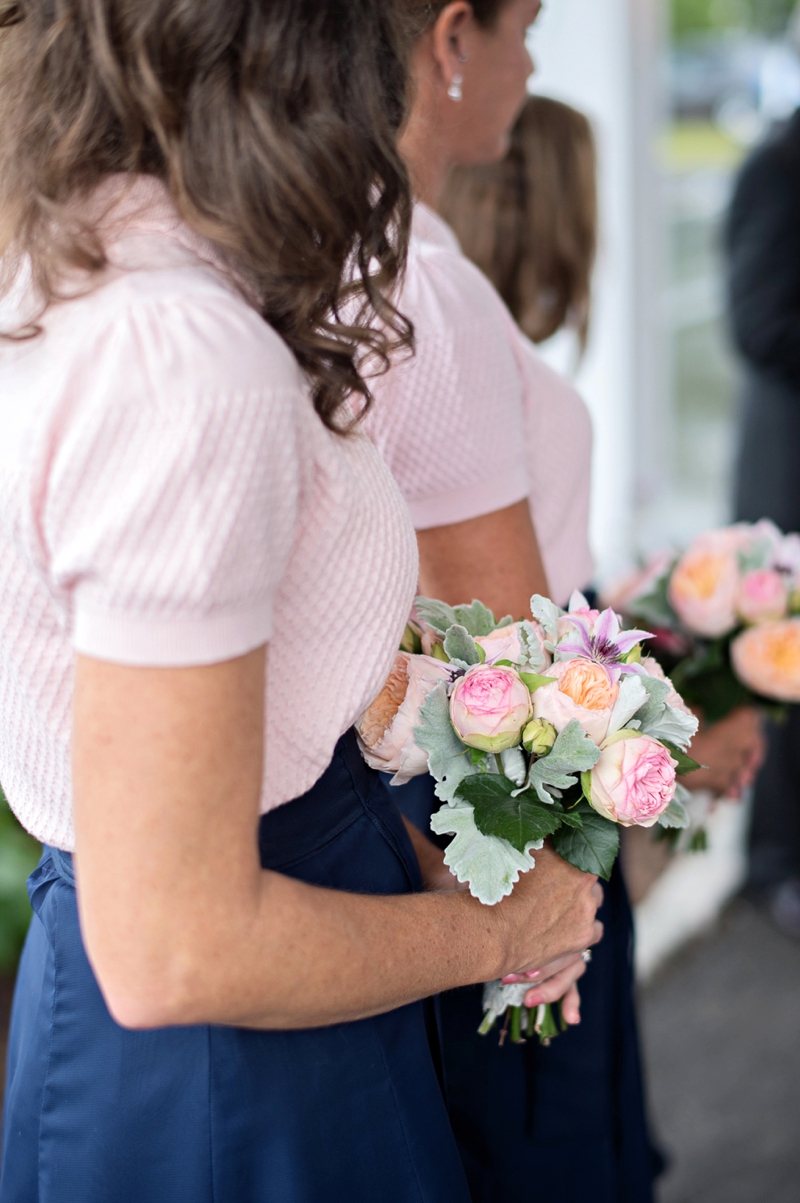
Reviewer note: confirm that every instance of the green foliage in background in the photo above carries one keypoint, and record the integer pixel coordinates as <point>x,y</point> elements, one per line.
<point>19,855</point>
<point>715,16</point>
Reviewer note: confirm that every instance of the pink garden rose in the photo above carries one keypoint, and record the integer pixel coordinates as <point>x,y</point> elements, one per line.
<point>634,780</point>
<point>762,596</point>
<point>489,708</point>
<point>386,728</point>
<point>502,644</point>
<point>582,690</point>
<point>622,594</point>
<point>767,659</point>
<point>703,586</point>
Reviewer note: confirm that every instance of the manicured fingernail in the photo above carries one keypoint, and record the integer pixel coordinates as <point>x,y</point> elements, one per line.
<point>510,979</point>
<point>534,974</point>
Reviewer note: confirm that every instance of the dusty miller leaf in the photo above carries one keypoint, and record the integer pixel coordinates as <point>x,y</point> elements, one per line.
<point>676,815</point>
<point>436,614</point>
<point>663,721</point>
<point>461,647</point>
<point>449,760</point>
<point>514,765</point>
<point>476,619</point>
<point>490,866</point>
<point>533,654</point>
<point>573,752</point>
<point>632,696</point>
<point>547,614</point>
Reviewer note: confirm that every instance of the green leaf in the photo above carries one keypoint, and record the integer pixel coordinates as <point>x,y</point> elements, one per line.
<point>571,818</point>
<point>521,820</point>
<point>460,646</point>
<point>436,614</point>
<point>594,847</point>
<point>506,621</point>
<point>655,608</point>
<point>572,753</point>
<point>707,680</point>
<point>536,680</point>
<point>685,763</point>
<point>449,760</point>
<point>490,866</point>
<point>477,619</point>
<point>477,755</point>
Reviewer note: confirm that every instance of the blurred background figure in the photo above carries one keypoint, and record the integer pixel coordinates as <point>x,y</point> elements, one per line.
<point>530,223</point>
<point>763,246</point>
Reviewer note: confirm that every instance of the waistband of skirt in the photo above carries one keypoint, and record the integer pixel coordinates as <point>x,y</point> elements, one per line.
<point>298,828</point>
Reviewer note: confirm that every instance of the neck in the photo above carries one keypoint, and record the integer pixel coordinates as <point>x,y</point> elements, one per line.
<point>426,157</point>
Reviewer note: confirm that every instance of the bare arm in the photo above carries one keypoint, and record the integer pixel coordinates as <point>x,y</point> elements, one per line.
<point>182,925</point>
<point>495,558</point>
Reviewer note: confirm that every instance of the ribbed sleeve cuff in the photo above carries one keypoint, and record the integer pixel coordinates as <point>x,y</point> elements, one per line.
<point>172,643</point>
<point>471,501</point>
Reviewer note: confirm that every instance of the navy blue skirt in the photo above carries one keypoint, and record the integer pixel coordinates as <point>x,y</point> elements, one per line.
<point>351,1113</point>
<point>563,1124</point>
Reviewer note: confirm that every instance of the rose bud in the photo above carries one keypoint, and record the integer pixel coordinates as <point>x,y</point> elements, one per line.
<point>489,708</point>
<point>539,737</point>
<point>634,780</point>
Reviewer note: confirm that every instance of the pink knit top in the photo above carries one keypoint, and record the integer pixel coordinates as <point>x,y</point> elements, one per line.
<point>476,421</point>
<point>169,497</point>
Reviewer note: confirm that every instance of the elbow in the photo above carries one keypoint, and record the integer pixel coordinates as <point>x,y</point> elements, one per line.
<point>145,992</point>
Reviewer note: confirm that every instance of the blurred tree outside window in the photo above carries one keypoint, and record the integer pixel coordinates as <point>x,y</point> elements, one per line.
<point>19,854</point>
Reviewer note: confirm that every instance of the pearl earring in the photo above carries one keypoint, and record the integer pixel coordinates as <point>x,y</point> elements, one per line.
<point>454,91</point>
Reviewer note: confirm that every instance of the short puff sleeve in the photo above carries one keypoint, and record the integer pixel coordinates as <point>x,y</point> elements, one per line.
<point>449,421</point>
<point>172,489</point>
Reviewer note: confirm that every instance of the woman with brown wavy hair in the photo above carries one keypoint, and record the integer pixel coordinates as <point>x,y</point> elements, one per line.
<point>204,581</point>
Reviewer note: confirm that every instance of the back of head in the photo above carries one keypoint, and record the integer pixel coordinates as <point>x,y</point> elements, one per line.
<point>530,221</point>
<point>273,124</point>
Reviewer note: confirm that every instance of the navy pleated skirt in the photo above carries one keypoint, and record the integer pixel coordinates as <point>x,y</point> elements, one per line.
<point>563,1124</point>
<point>351,1113</point>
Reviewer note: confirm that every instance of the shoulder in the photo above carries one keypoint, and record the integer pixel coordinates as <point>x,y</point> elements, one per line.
<point>184,328</point>
<point>443,291</point>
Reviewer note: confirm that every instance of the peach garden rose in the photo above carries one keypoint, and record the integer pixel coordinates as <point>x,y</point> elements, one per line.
<point>767,659</point>
<point>386,728</point>
<point>581,690</point>
<point>703,586</point>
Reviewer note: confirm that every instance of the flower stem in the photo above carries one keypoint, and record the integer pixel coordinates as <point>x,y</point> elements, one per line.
<point>516,1025</point>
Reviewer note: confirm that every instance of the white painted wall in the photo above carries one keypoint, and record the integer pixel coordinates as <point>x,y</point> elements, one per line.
<point>602,56</point>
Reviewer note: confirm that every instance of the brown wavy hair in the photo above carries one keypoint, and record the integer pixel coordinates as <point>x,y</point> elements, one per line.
<point>273,124</point>
<point>530,221</point>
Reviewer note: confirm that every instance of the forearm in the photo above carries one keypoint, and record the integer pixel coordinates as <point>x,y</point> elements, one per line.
<point>285,954</point>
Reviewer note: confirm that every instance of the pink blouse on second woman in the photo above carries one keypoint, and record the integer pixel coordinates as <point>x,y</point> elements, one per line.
<point>169,497</point>
<point>476,421</point>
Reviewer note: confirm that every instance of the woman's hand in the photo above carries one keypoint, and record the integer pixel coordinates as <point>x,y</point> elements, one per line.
<point>553,983</point>
<point>732,749</point>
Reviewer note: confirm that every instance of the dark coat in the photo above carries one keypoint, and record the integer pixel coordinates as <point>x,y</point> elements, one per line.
<point>763,246</point>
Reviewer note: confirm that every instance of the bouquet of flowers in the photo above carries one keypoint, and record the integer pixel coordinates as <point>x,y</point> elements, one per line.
<point>726,616</point>
<point>557,727</point>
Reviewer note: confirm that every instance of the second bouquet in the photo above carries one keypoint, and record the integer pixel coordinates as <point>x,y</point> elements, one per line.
<point>554,727</point>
